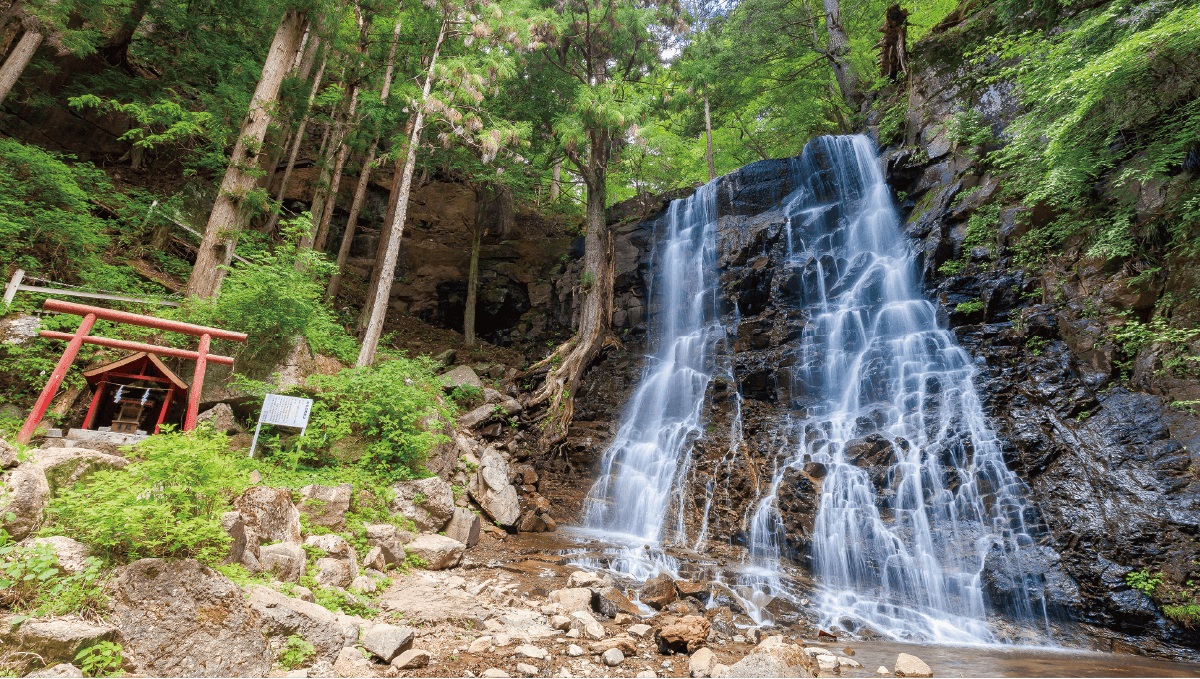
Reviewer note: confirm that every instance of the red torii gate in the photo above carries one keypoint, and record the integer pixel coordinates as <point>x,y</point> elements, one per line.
<point>81,337</point>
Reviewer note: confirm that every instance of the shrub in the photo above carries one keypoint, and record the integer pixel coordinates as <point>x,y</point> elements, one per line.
<point>31,581</point>
<point>102,659</point>
<point>275,298</point>
<point>168,503</point>
<point>385,416</point>
<point>295,652</point>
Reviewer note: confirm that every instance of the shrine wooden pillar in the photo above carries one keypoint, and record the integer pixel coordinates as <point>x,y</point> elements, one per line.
<point>56,378</point>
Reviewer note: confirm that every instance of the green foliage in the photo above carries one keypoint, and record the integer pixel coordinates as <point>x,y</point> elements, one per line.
<point>295,653</point>
<point>1177,357</point>
<point>33,582</point>
<point>1143,581</point>
<point>102,659</point>
<point>275,298</point>
<point>973,306</point>
<point>412,560</point>
<point>167,503</point>
<point>968,129</point>
<point>382,417</point>
<point>1180,603</point>
<point>1111,96</point>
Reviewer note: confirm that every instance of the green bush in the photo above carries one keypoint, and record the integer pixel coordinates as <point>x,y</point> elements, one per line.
<point>275,298</point>
<point>383,417</point>
<point>168,503</point>
<point>295,652</point>
<point>102,659</point>
<point>33,582</point>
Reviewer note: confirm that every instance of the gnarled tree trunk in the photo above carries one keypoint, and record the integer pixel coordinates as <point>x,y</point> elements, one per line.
<point>893,47</point>
<point>228,215</point>
<point>837,50</point>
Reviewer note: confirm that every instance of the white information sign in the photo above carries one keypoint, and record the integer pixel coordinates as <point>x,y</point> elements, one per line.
<point>283,411</point>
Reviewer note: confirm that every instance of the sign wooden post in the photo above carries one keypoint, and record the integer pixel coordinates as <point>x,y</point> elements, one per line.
<point>283,411</point>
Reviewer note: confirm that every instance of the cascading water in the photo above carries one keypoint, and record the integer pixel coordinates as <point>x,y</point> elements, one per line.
<point>900,552</point>
<point>640,472</point>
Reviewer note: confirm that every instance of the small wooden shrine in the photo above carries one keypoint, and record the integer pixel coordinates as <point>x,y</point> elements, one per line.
<point>134,395</point>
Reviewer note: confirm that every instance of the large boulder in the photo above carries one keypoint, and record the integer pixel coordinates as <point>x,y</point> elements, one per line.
<point>572,599</point>
<point>285,559</point>
<point>181,618</point>
<point>326,505</point>
<point>269,515</point>
<point>464,526</point>
<point>220,418</point>
<point>390,541</point>
<point>461,376</point>
<point>428,503</point>
<point>490,488</point>
<point>71,554</point>
<point>659,591</point>
<point>40,643</point>
<point>387,641</point>
<point>908,665</point>
<point>438,551</point>
<point>284,616</point>
<point>683,636</point>
<point>23,500</point>
<point>64,467</point>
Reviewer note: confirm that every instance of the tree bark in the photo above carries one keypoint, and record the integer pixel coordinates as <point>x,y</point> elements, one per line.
<point>712,170</point>
<point>556,182</point>
<point>364,177</point>
<point>335,181</point>
<point>561,383</point>
<point>893,48</point>
<point>297,140</point>
<point>837,50</point>
<point>17,60</point>
<point>366,355</point>
<point>115,52</point>
<point>228,215</point>
<point>385,233</point>
<point>472,281</point>
<point>302,67</point>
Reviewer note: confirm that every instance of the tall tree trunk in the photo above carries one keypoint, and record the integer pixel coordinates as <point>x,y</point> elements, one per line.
<point>473,280</point>
<point>297,140</point>
<point>364,177</point>
<point>115,52</point>
<point>17,60</point>
<point>893,47</point>
<point>837,51</point>
<point>335,182</point>
<point>302,68</point>
<point>712,170</point>
<point>562,382</point>
<point>556,182</point>
<point>366,355</point>
<point>228,215</point>
<point>385,233</point>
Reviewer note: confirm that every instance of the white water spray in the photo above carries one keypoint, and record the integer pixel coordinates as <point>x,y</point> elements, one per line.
<point>901,551</point>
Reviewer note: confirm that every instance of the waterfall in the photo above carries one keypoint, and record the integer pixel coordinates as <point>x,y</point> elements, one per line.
<point>915,495</point>
<point>640,486</point>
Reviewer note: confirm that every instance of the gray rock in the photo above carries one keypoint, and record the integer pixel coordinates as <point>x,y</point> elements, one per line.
<point>303,594</point>
<point>374,560</point>
<point>428,503</point>
<point>460,376</point>
<point>180,618</point>
<point>326,505</point>
<point>573,599</point>
<point>640,630</point>
<point>284,616</point>
<point>333,573</point>
<point>72,556</point>
<point>527,670</point>
<point>286,560</point>
<point>588,579</point>
<point>908,665</point>
<point>763,665</point>
<point>613,657</point>
<point>476,417</point>
<point>493,673</point>
<point>335,547</point>
<point>464,526</point>
<point>574,650</point>
<point>530,651</point>
<point>438,551</point>
<point>59,670</point>
<point>387,641</point>
<point>481,645</point>
<point>23,502</point>
<point>363,584</point>
<point>412,659</point>
<point>490,488</point>
<point>701,662</point>
<point>221,418</point>
<point>267,515</point>
<point>351,663</point>
<point>49,642</point>
<point>8,455</point>
<point>390,541</point>
<point>64,467</point>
